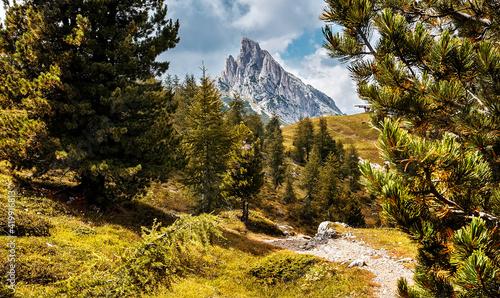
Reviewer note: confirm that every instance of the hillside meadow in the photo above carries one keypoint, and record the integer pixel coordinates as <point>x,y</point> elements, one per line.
<point>349,129</point>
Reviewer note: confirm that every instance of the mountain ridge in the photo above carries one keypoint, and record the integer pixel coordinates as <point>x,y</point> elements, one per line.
<point>269,88</point>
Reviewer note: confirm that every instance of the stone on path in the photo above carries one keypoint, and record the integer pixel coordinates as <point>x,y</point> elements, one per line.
<point>357,263</point>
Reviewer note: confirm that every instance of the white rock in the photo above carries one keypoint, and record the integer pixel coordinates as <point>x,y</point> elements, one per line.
<point>357,263</point>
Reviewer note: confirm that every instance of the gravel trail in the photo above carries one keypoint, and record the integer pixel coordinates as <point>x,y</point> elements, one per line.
<point>348,248</point>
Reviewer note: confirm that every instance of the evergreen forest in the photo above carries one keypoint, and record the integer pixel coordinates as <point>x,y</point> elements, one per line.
<point>118,179</point>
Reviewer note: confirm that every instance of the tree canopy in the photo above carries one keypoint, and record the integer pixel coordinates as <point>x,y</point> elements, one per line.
<point>79,78</point>
<point>430,71</point>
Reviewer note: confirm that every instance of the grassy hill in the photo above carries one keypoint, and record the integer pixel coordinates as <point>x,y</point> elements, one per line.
<point>350,129</point>
<point>68,248</point>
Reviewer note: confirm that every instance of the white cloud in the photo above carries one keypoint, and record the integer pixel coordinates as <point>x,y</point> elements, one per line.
<point>326,75</point>
<point>2,13</point>
<point>211,30</point>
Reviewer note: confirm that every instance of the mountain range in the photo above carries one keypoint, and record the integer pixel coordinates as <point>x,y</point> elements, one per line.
<point>268,89</point>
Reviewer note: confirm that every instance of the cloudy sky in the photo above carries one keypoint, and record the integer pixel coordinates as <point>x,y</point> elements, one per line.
<point>211,30</point>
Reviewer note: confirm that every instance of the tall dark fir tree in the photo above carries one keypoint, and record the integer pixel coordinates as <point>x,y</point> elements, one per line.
<point>106,113</point>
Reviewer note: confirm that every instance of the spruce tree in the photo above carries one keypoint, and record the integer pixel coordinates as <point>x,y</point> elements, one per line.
<point>244,176</point>
<point>105,107</point>
<point>275,151</point>
<point>432,80</point>
<point>309,183</point>
<point>303,141</point>
<point>324,141</point>
<point>236,113</point>
<point>207,144</point>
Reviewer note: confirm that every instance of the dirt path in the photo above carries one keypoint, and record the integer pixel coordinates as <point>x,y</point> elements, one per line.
<point>346,249</point>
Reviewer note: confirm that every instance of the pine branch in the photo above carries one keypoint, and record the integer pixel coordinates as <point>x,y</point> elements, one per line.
<point>366,41</point>
<point>466,17</point>
<point>435,192</point>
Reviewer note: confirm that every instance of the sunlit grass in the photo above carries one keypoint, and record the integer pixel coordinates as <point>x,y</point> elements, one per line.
<point>85,241</point>
<point>396,243</point>
<point>350,129</point>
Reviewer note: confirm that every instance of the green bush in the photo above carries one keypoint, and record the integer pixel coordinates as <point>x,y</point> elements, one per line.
<point>163,254</point>
<point>283,267</point>
<point>260,224</point>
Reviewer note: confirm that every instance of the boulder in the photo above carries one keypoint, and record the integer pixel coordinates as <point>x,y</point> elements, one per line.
<point>357,263</point>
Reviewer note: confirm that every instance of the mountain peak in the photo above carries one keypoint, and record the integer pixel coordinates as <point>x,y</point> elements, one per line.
<point>269,89</point>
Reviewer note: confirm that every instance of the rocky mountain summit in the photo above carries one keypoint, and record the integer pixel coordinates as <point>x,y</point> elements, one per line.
<point>268,88</point>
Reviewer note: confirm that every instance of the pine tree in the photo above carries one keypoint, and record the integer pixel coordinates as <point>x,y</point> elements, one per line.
<point>303,141</point>
<point>255,124</point>
<point>329,187</point>
<point>432,80</point>
<point>236,113</point>
<point>324,141</point>
<point>207,144</point>
<point>350,168</point>
<point>289,196</point>
<point>105,100</point>
<point>183,96</point>
<point>244,176</point>
<point>275,151</point>
<point>309,183</point>
<point>24,96</point>
<point>272,127</point>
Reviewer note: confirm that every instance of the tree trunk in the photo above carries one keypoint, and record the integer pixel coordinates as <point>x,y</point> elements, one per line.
<point>93,189</point>
<point>244,216</point>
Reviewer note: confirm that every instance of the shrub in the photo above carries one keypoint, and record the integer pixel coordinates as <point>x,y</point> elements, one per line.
<point>283,267</point>
<point>260,224</point>
<point>161,255</point>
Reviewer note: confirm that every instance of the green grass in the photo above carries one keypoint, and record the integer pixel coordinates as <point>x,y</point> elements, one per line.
<point>394,241</point>
<point>350,129</point>
<point>85,245</point>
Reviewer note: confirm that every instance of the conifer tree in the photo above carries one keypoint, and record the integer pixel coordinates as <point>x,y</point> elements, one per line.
<point>183,96</point>
<point>309,183</point>
<point>329,185</point>
<point>324,141</point>
<point>236,113</point>
<point>207,144</point>
<point>276,151</point>
<point>272,127</point>
<point>23,95</point>
<point>244,176</point>
<point>105,104</point>
<point>289,195</point>
<point>255,124</point>
<point>350,168</point>
<point>432,80</point>
<point>303,141</point>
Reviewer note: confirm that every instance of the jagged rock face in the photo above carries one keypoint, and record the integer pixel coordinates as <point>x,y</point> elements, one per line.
<point>269,89</point>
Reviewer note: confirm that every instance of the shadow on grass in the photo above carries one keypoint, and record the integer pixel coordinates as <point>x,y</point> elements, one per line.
<point>131,215</point>
<point>242,243</point>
